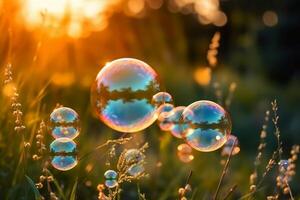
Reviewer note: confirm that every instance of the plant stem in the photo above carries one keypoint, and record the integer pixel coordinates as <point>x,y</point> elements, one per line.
<point>231,190</point>
<point>224,171</point>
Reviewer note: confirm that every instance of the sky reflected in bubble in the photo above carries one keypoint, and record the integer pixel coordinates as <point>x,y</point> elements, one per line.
<point>122,95</point>
<point>209,125</point>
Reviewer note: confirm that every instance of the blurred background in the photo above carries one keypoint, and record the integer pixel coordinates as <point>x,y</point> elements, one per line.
<point>57,47</point>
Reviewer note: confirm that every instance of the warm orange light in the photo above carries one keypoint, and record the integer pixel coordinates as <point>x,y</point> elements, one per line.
<point>63,79</point>
<point>202,76</point>
<point>270,18</point>
<point>135,6</point>
<point>208,11</point>
<point>74,18</point>
<point>9,90</point>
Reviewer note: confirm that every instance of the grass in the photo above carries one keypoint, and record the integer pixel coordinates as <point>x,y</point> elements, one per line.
<point>33,87</point>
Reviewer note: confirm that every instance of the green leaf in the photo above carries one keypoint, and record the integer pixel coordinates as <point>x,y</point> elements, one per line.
<point>37,194</point>
<point>73,193</point>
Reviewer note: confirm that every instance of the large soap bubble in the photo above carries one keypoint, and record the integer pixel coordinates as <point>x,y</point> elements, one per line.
<point>208,125</point>
<point>122,95</point>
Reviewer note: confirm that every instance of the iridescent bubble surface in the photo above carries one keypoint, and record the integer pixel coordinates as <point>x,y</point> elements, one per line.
<point>111,178</point>
<point>64,162</point>
<point>64,122</point>
<point>208,125</point>
<point>122,95</point>
<point>232,141</point>
<point>178,125</point>
<point>63,146</point>
<point>136,169</point>
<point>161,98</point>
<point>64,154</point>
<point>163,112</point>
<point>133,156</point>
<point>185,153</point>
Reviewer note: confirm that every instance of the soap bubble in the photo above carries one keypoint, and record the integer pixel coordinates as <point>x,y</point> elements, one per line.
<point>64,162</point>
<point>136,169</point>
<point>133,156</point>
<point>111,178</point>
<point>231,140</point>
<point>64,154</point>
<point>63,146</point>
<point>163,112</point>
<point>161,98</point>
<point>208,125</point>
<point>184,153</point>
<point>178,125</point>
<point>64,122</point>
<point>122,95</point>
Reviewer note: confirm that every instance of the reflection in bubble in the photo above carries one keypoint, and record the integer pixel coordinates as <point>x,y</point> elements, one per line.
<point>64,154</point>
<point>63,146</point>
<point>178,125</point>
<point>161,98</point>
<point>136,169</point>
<point>64,162</point>
<point>133,156</point>
<point>111,178</point>
<point>163,120</point>
<point>209,125</point>
<point>64,122</point>
<point>122,95</point>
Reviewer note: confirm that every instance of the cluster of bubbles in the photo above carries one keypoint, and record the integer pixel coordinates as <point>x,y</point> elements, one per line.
<point>127,97</point>
<point>64,127</point>
<point>134,159</point>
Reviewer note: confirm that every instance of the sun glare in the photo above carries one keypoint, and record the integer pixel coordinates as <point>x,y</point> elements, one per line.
<point>75,18</point>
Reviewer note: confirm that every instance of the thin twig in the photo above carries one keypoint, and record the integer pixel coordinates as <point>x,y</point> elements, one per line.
<point>230,191</point>
<point>189,177</point>
<point>224,171</point>
<point>290,191</point>
<point>121,140</point>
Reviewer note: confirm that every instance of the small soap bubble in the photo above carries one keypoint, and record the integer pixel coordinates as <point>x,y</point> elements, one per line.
<point>136,169</point>
<point>163,112</point>
<point>133,156</point>
<point>178,126</point>
<point>111,178</point>
<point>135,159</point>
<point>63,146</point>
<point>161,98</point>
<point>64,122</point>
<point>231,140</point>
<point>209,125</point>
<point>64,162</point>
<point>64,154</point>
<point>185,153</point>
<point>122,95</point>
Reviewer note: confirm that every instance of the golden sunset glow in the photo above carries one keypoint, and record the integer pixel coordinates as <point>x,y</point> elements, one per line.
<point>74,18</point>
<point>208,11</point>
<point>202,75</point>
